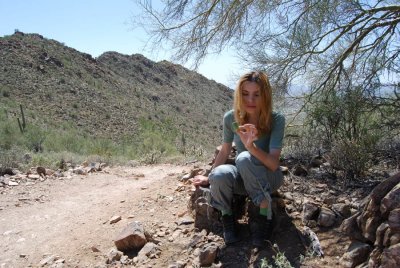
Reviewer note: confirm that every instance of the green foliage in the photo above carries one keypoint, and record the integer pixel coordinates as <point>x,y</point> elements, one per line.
<point>9,158</point>
<point>279,260</point>
<point>351,157</point>
<point>343,115</point>
<point>349,127</point>
<point>5,91</point>
<point>156,139</point>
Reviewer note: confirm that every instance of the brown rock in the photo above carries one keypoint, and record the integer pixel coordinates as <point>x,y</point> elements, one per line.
<point>343,209</point>
<point>115,219</point>
<point>391,201</point>
<point>375,258</point>
<point>310,211</point>
<point>150,250</point>
<point>386,237</point>
<point>395,239</point>
<point>380,234</point>
<point>356,254</point>
<point>208,254</point>
<point>350,227</point>
<point>384,187</point>
<point>394,220</point>
<point>326,218</point>
<point>132,237</point>
<point>369,220</point>
<point>41,171</point>
<point>114,255</point>
<point>391,257</point>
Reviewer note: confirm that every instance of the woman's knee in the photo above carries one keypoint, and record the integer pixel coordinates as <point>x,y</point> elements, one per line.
<point>222,175</point>
<point>243,160</point>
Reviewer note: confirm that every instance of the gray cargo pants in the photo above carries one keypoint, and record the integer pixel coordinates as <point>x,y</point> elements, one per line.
<point>246,178</point>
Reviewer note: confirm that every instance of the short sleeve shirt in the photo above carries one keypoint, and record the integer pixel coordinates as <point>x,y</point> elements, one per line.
<point>266,142</point>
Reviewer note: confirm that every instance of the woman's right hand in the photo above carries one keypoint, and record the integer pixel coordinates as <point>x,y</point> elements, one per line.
<point>200,180</point>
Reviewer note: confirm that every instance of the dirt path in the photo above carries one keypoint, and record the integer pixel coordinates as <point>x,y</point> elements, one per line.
<point>69,216</point>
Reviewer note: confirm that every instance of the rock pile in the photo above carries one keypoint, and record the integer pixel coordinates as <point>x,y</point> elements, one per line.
<point>375,229</point>
<point>39,174</point>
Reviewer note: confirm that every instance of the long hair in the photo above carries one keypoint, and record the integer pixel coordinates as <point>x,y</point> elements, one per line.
<point>265,116</point>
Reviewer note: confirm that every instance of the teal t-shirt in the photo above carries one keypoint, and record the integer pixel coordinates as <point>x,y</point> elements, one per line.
<point>266,142</point>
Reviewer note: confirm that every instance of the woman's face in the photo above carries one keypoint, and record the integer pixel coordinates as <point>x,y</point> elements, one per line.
<point>251,97</point>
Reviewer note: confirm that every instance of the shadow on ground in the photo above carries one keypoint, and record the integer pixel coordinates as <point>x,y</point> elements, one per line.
<point>286,239</point>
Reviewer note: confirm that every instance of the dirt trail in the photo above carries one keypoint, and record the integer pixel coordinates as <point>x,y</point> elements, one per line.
<point>66,217</point>
<point>69,217</point>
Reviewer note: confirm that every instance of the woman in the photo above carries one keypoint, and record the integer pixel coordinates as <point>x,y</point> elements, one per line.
<point>257,132</point>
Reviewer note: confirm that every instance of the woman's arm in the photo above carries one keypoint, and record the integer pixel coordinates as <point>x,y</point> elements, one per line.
<point>219,160</point>
<point>222,155</point>
<point>248,134</point>
<point>270,160</point>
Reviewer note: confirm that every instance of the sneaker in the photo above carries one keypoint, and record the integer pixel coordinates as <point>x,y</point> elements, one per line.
<point>260,227</point>
<point>230,235</point>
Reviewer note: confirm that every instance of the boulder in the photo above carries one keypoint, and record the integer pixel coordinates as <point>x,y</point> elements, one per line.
<point>132,237</point>
<point>208,254</point>
<point>394,220</point>
<point>390,257</point>
<point>378,224</point>
<point>343,210</point>
<point>356,254</point>
<point>326,218</point>
<point>310,211</point>
<point>391,201</point>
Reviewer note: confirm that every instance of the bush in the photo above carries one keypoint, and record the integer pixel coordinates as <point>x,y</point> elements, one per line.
<point>279,260</point>
<point>9,159</point>
<point>350,157</point>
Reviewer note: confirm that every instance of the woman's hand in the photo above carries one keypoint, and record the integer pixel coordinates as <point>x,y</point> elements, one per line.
<point>248,134</point>
<point>200,180</point>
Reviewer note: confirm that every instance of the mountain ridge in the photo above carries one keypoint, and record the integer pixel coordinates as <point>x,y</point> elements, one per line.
<point>112,96</point>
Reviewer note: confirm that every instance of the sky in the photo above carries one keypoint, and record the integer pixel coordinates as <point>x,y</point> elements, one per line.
<point>97,26</point>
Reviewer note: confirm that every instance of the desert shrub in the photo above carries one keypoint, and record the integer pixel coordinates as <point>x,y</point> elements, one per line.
<point>351,157</point>
<point>9,158</point>
<point>344,114</point>
<point>155,140</point>
<point>302,144</point>
<point>279,260</point>
<point>349,127</point>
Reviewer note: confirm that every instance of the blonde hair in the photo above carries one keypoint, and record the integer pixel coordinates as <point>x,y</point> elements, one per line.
<point>265,116</point>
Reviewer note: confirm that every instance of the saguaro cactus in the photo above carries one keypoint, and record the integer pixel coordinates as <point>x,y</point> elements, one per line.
<point>23,125</point>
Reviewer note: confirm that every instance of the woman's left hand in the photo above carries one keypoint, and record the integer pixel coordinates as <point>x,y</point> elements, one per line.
<point>248,134</point>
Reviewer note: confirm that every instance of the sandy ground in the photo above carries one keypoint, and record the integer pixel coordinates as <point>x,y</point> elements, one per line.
<point>70,218</point>
<point>66,217</point>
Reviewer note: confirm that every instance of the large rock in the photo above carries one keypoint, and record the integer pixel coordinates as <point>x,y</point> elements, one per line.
<point>132,237</point>
<point>342,209</point>
<point>208,254</point>
<point>394,220</point>
<point>380,234</point>
<point>310,211</point>
<point>205,216</point>
<point>356,254</point>
<point>391,257</point>
<point>350,227</point>
<point>378,224</point>
<point>391,201</point>
<point>326,218</point>
<point>150,250</point>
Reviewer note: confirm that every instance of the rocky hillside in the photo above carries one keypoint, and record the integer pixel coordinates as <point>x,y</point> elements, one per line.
<point>113,96</point>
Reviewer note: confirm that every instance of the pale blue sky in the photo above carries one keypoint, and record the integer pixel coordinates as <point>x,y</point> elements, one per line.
<point>97,26</point>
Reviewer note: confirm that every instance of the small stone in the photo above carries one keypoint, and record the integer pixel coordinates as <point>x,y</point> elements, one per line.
<point>115,219</point>
<point>95,249</point>
<point>13,183</point>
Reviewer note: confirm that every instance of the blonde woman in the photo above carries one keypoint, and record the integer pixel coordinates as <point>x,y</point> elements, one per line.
<point>257,132</point>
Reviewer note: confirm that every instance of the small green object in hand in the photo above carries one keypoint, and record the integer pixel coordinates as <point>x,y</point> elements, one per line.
<point>235,126</point>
